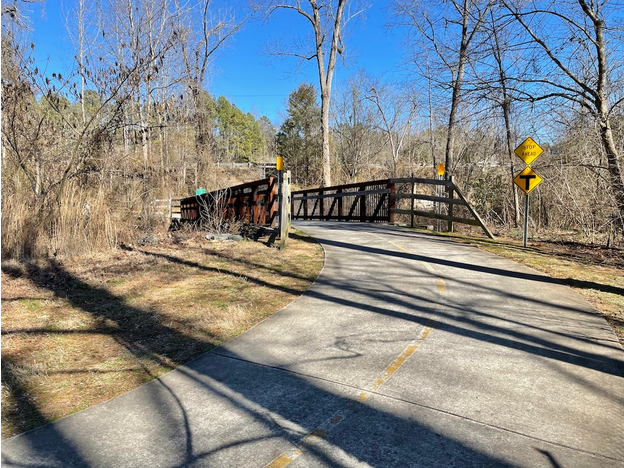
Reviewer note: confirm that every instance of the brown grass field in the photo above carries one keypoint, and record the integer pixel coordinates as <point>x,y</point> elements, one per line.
<point>77,332</point>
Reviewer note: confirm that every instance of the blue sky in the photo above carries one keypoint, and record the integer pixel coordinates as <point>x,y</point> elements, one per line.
<point>242,72</point>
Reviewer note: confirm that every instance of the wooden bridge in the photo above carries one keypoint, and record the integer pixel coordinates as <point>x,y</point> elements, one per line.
<point>379,201</point>
<point>252,203</point>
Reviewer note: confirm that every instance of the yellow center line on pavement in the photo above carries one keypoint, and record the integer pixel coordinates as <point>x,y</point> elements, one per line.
<point>398,362</point>
<point>284,460</point>
<point>322,430</point>
<point>441,284</point>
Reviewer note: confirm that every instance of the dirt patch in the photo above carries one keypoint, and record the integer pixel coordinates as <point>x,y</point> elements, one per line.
<point>76,332</point>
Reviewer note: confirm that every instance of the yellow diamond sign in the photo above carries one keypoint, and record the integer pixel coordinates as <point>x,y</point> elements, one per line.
<point>527,180</point>
<point>528,150</point>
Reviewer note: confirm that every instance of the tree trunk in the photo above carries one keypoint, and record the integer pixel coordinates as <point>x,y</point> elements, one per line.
<point>615,173</point>
<point>457,86</point>
<point>325,100</point>
<point>510,152</point>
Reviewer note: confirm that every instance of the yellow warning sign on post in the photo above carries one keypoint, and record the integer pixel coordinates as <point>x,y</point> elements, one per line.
<point>528,150</point>
<point>527,180</point>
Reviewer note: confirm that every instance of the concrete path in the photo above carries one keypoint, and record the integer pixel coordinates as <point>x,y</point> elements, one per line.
<point>408,351</point>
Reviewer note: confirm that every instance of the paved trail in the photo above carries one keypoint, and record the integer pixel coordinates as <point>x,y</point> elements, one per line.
<point>408,351</point>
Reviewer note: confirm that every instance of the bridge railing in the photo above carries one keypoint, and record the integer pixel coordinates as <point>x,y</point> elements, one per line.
<point>452,197</point>
<point>376,201</point>
<point>362,202</point>
<point>252,203</point>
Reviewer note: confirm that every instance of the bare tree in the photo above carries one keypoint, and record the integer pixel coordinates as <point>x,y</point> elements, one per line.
<point>493,83</point>
<point>451,28</point>
<point>202,32</point>
<point>396,106</point>
<point>328,20</point>
<point>355,125</point>
<point>576,49</point>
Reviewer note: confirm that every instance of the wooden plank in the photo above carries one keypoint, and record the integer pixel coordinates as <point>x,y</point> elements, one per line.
<point>450,208</point>
<point>362,199</point>
<point>391,203</point>
<point>473,212</point>
<point>416,180</point>
<point>418,196</point>
<point>383,182</point>
<point>429,214</point>
<point>343,194</point>
<point>378,219</point>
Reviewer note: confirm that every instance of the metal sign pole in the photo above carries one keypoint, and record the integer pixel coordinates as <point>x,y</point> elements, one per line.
<point>528,179</point>
<point>525,234</point>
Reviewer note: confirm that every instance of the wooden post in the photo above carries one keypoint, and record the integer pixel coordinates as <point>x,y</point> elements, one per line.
<point>362,204</point>
<point>272,201</point>
<point>392,205</point>
<point>439,206</point>
<point>412,202</point>
<point>321,203</point>
<point>340,207</point>
<point>450,208</point>
<point>285,210</point>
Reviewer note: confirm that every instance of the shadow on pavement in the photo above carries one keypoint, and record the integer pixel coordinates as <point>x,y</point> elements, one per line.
<point>113,434</point>
<point>218,409</point>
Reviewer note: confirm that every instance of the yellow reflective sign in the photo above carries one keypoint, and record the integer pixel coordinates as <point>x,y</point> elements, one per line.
<point>440,169</point>
<point>279,165</point>
<point>527,180</point>
<point>528,150</point>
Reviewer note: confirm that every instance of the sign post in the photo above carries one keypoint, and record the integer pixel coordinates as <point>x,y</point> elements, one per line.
<point>528,179</point>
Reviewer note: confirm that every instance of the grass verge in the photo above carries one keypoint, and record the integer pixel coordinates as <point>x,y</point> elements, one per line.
<point>77,332</point>
<point>594,271</point>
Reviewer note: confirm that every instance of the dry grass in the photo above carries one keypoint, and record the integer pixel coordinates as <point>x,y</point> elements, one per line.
<point>594,271</point>
<point>76,332</point>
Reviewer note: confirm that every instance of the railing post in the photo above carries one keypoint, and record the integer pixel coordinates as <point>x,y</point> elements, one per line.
<point>392,204</point>
<point>340,208</point>
<point>450,205</point>
<point>285,210</point>
<point>363,204</point>
<point>321,204</point>
<point>412,202</point>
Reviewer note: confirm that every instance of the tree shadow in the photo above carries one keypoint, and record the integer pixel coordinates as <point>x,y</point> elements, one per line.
<point>13,389</point>
<point>169,414</point>
<point>478,268</point>
<point>178,417</point>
